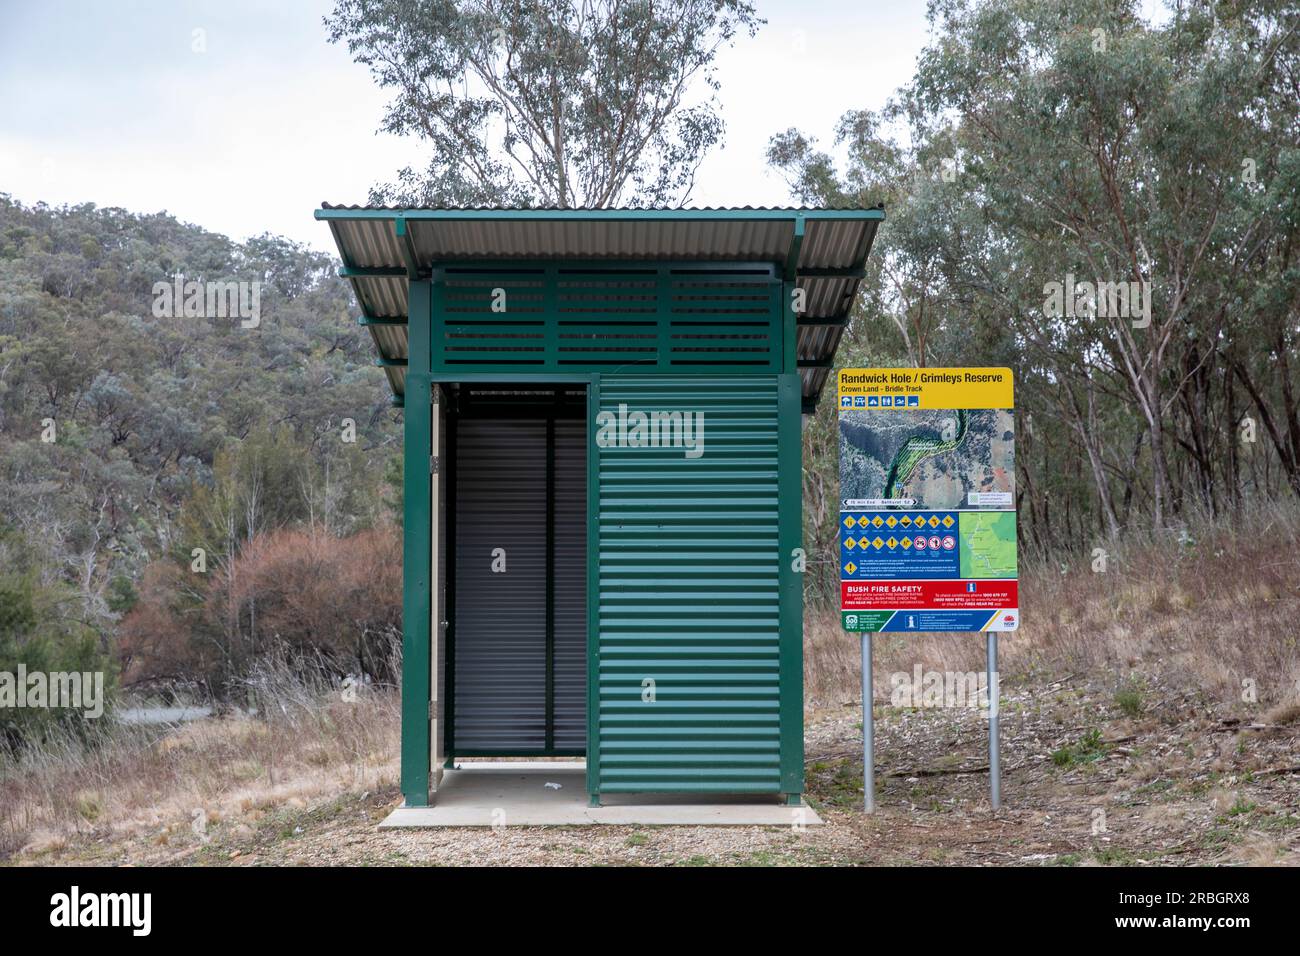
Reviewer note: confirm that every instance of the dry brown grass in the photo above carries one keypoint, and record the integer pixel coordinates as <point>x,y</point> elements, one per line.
<point>1287,712</point>
<point>307,741</point>
<point>1212,606</point>
<point>1199,615</point>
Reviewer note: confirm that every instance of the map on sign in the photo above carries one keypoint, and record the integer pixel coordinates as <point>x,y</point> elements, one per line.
<point>933,457</point>
<point>988,545</point>
<point>927,500</point>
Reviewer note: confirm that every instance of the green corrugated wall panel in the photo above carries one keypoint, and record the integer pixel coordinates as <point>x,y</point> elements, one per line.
<point>689,596</point>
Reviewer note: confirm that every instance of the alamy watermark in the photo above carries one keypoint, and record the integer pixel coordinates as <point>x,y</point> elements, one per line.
<point>654,429</point>
<point>922,688</point>
<point>64,690</point>
<point>75,908</point>
<point>213,299</point>
<point>1113,300</point>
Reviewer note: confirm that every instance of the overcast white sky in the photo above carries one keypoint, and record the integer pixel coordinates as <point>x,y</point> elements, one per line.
<point>108,102</point>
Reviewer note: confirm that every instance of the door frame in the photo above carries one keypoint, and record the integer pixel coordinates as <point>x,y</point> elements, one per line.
<point>591,382</point>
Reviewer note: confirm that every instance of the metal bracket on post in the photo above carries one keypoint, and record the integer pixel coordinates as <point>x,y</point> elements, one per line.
<point>868,728</point>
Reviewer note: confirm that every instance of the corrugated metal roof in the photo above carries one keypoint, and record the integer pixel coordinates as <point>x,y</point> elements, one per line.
<point>611,211</point>
<point>834,239</point>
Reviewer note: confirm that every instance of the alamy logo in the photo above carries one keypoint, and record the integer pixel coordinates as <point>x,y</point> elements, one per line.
<point>655,429</point>
<point>69,690</point>
<point>1114,300</point>
<point>922,688</point>
<point>194,299</point>
<point>103,909</point>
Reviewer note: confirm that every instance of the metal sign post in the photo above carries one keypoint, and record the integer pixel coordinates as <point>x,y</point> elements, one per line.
<point>995,775</point>
<point>868,728</point>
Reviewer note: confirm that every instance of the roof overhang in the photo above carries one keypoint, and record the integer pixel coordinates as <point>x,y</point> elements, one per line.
<point>822,251</point>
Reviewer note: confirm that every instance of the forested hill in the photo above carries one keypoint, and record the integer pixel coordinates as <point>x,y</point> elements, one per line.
<point>122,435</point>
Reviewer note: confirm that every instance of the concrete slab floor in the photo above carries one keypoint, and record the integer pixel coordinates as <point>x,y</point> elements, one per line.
<point>553,793</point>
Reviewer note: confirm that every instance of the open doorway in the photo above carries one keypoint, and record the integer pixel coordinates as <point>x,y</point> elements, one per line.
<point>515,583</point>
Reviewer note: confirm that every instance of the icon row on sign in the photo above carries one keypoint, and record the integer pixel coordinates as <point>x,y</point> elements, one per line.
<point>880,401</point>
<point>935,543</point>
<point>920,542</point>
<point>894,521</point>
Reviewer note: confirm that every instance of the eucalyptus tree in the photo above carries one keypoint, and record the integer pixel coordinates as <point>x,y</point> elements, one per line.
<point>1112,205</point>
<point>913,308</point>
<point>1114,148</point>
<point>564,103</point>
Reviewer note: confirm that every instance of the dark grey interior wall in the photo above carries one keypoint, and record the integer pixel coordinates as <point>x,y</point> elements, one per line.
<point>500,695</point>
<point>501,692</point>
<point>570,584</point>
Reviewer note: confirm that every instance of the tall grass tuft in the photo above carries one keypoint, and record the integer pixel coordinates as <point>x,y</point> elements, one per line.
<point>305,734</point>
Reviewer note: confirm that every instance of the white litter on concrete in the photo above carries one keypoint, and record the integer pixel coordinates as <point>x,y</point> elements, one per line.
<point>507,794</point>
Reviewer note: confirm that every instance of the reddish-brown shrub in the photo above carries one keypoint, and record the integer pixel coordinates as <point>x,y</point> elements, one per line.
<point>300,591</point>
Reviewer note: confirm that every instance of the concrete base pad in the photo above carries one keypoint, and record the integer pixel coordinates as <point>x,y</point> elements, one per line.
<point>516,793</point>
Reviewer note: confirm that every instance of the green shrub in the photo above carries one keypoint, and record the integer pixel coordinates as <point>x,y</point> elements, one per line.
<point>39,637</point>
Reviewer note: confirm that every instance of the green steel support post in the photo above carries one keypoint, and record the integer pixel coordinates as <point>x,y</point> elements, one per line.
<point>593,594</point>
<point>789,536</point>
<point>417,605</point>
<point>449,594</point>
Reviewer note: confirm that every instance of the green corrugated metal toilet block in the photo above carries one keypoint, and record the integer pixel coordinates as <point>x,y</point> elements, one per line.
<point>607,404</point>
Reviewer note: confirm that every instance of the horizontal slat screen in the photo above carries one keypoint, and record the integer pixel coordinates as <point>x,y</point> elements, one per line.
<point>688,593</point>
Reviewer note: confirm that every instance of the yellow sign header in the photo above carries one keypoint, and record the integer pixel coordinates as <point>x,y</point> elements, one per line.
<point>925,388</point>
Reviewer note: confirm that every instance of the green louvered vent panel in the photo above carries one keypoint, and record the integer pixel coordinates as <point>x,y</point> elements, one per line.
<point>572,319</point>
<point>688,591</point>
